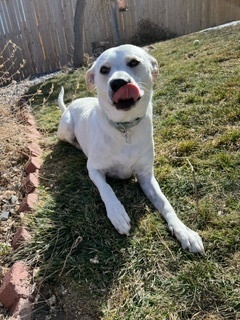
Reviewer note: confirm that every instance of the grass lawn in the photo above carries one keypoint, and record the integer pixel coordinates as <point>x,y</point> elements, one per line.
<point>97,273</point>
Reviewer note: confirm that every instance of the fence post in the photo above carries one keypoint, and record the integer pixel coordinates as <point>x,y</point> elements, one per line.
<point>78,33</point>
<point>115,22</point>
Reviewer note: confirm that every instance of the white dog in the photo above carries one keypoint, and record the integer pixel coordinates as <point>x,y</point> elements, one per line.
<point>115,132</point>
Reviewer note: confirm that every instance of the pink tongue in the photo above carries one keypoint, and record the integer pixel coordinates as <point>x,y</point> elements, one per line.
<point>128,91</point>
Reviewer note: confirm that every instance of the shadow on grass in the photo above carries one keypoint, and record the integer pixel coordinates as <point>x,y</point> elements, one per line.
<point>80,249</point>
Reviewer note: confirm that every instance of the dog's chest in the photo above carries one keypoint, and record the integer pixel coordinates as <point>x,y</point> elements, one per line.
<point>116,160</point>
<point>111,153</point>
<point>120,171</point>
<point>121,163</point>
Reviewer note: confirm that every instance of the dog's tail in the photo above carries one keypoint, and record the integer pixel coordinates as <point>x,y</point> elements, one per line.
<point>61,103</point>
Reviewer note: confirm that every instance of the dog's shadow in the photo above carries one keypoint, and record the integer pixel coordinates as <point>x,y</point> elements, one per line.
<point>83,252</point>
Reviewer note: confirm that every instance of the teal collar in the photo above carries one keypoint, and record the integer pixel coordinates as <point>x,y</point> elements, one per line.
<point>123,127</point>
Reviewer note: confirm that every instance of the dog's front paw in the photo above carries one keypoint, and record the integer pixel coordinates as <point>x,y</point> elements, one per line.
<point>189,239</point>
<point>119,218</point>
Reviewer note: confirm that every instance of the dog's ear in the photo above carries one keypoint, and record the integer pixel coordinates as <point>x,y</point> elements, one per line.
<point>90,79</point>
<point>154,68</point>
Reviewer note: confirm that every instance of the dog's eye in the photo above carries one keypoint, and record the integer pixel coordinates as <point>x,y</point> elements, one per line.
<point>133,63</point>
<point>104,70</point>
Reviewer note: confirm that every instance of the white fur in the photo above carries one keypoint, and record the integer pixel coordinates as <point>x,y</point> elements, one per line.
<point>85,124</point>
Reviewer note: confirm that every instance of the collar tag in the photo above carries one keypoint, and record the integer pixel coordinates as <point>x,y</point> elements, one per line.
<point>125,131</point>
<point>124,127</point>
<point>127,137</point>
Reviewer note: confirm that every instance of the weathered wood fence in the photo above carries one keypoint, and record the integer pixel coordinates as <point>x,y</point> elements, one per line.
<point>42,30</point>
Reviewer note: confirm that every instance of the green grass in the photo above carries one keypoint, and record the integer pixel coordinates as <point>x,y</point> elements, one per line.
<point>147,275</point>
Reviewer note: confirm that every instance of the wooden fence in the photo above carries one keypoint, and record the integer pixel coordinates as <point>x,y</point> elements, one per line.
<point>42,30</point>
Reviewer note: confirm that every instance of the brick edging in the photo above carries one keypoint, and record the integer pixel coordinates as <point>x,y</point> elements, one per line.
<point>16,290</point>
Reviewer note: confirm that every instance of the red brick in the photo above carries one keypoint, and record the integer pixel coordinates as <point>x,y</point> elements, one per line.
<point>21,310</point>
<point>30,183</point>
<point>33,164</point>
<point>22,235</point>
<point>15,285</point>
<point>34,149</point>
<point>28,203</point>
<point>33,132</point>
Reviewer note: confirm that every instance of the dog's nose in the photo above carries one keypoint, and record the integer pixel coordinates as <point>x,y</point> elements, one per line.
<point>117,84</point>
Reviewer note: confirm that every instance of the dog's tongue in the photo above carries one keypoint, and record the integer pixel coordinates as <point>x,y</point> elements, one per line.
<point>128,91</point>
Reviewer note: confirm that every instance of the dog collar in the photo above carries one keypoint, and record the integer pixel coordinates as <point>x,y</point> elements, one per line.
<point>123,127</point>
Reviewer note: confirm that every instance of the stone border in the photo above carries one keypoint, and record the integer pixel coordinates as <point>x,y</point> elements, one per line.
<point>16,290</point>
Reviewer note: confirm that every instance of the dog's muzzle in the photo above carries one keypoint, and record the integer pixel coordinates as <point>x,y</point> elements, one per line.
<point>125,94</point>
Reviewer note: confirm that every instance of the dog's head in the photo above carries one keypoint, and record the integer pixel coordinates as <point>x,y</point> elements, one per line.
<point>123,77</point>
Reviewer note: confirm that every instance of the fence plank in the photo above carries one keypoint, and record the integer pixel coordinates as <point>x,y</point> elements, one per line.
<point>5,18</point>
<point>33,35</point>
<point>2,29</point>
<point>69,11</point>
<point>12,26</point>
<point>58,35</point>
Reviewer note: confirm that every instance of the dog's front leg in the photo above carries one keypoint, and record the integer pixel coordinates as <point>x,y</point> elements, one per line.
<point>188,238</point>
<point>115,210</point>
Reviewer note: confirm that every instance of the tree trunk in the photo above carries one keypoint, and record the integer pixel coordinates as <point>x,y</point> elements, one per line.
<point>78,33</point>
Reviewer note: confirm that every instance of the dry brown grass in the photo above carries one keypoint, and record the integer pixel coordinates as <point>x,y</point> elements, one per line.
<point>13,139</point>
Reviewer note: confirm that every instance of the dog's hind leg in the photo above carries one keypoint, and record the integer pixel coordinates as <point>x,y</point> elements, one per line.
<point>65,130</point>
